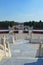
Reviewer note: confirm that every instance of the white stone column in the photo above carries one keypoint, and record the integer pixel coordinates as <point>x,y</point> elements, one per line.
<point>9,52</point>
<point>30,35</point>
<point>13,38</point>
<point>4,39</point>
<point>20,34</point>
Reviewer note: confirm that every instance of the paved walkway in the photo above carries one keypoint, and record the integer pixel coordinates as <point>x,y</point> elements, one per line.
<point>22,54</point>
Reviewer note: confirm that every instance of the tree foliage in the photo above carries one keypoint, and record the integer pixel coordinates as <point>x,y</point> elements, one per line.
<point>35,24</point>
<point>6,24</point>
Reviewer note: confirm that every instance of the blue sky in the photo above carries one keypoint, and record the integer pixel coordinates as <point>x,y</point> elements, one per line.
<point>21,10</point>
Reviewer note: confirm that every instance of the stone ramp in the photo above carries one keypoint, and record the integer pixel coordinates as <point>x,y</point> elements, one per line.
<point>22,49</point>
<point>22,53</point>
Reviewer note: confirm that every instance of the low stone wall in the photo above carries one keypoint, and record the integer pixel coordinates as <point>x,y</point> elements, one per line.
<point>37,38</point>
<point>22,36</point>
<point>34,37</point>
